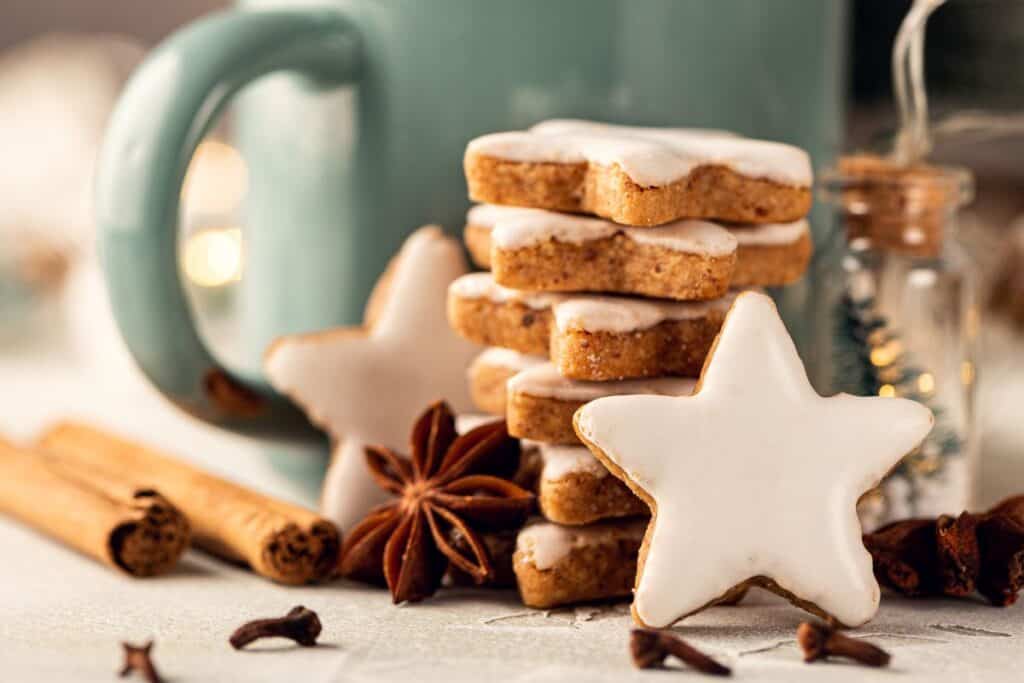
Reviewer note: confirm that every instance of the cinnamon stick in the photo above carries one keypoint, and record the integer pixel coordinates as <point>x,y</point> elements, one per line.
<point>280,541</point>
<point>133,529</point>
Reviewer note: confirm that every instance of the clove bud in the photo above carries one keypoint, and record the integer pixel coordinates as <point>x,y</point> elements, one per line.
<point>650,648</point>
<point>300,625</point>
<point>819,641</point>
<point>137,658</point>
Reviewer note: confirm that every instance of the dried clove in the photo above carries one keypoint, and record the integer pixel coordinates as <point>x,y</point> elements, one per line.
<point>650,648</point>
<point>137,658</point>
<point>819,641</point>
<point>954,556</point>
<point>300,625</point>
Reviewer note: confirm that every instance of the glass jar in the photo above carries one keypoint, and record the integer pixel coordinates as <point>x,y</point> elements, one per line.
<point>895,315</point>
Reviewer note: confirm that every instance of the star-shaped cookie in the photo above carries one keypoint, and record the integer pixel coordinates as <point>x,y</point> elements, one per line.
<point>754,479</point>
<point>366,385</point>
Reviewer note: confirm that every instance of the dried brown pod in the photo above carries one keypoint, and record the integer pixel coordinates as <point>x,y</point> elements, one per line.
<point>299,624</point>
<point>452,486</point>
<point>820,641</point>
<point>954,556</point>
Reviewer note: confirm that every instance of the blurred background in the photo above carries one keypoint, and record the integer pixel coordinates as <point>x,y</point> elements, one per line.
<point>62,64</point>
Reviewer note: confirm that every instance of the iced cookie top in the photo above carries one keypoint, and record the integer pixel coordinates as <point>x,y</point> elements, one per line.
<point>544,380</point>
<point>625,314</point>
<point>651,157</point>
<point>515,227</point>
<point>496,356</point>
<point>545,544</point>
<point>591,313</point>
<point>483,286</point>
<point>770,234</point>
<point>562,461</point>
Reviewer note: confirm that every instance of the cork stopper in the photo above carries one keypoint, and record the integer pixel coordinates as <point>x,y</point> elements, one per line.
<point>899,208</point>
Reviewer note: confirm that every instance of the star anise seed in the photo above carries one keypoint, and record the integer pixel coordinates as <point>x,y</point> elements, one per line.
<point>452,486</point>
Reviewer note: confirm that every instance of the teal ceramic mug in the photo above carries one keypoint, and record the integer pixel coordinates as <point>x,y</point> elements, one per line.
<point>355,138</point>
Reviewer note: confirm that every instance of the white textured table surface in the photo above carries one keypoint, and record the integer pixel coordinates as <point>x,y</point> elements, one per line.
<point>62,616</point>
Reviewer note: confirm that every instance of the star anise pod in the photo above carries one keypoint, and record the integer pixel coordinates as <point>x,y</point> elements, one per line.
<point>451,486</point>
<point>1001,540</point>
<point>954,556</point>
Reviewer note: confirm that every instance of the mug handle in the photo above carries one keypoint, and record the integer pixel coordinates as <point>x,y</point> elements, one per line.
<point>166,108</point>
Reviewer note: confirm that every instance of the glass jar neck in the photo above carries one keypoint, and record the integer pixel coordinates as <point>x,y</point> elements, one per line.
<point>922,235</point>
<point>908,210</point>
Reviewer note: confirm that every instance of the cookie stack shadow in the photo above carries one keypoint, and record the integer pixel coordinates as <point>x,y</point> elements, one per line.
<point>575,307</point>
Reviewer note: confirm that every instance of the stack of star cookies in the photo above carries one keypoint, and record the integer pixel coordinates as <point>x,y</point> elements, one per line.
<point>614,254</point>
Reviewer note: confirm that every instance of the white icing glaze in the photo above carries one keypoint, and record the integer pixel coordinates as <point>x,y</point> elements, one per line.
<point>545,544</point>
<point>657,134</point>
<point>467,422</point>
<point>349,491</point>
<point>590,313</point>
<point>526,231</point>
<point>516,228</point>
<point>626,314</point>
<point>561,461</point>
<point>495,356</point>
<point>690,236</point>
<point>755,474</point>
<point>544,381</point>
<point>368,388</point>
<point>483,286</point>
<point>651,157</point>
<point>521,145</point>
<point>488,215</point>
<point>769,234</point>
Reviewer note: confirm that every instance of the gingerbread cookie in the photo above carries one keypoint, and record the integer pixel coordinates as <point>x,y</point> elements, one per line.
<point>640,176</point>
<point>588,337</point>
<point>534,249</point>
<point>771,254</point>
<point>481,220</point>
<point>365,385</point>
<point>490,371</point>
<point>575,488</point>
<point>501,545</point>
<point>557,252</point>
<point>559,565</point>
<point>776,505</point>
<point>541,402</point>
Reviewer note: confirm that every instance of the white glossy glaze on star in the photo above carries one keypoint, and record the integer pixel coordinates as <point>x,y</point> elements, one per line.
<point>368,386</point>
<point>755,475</point>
